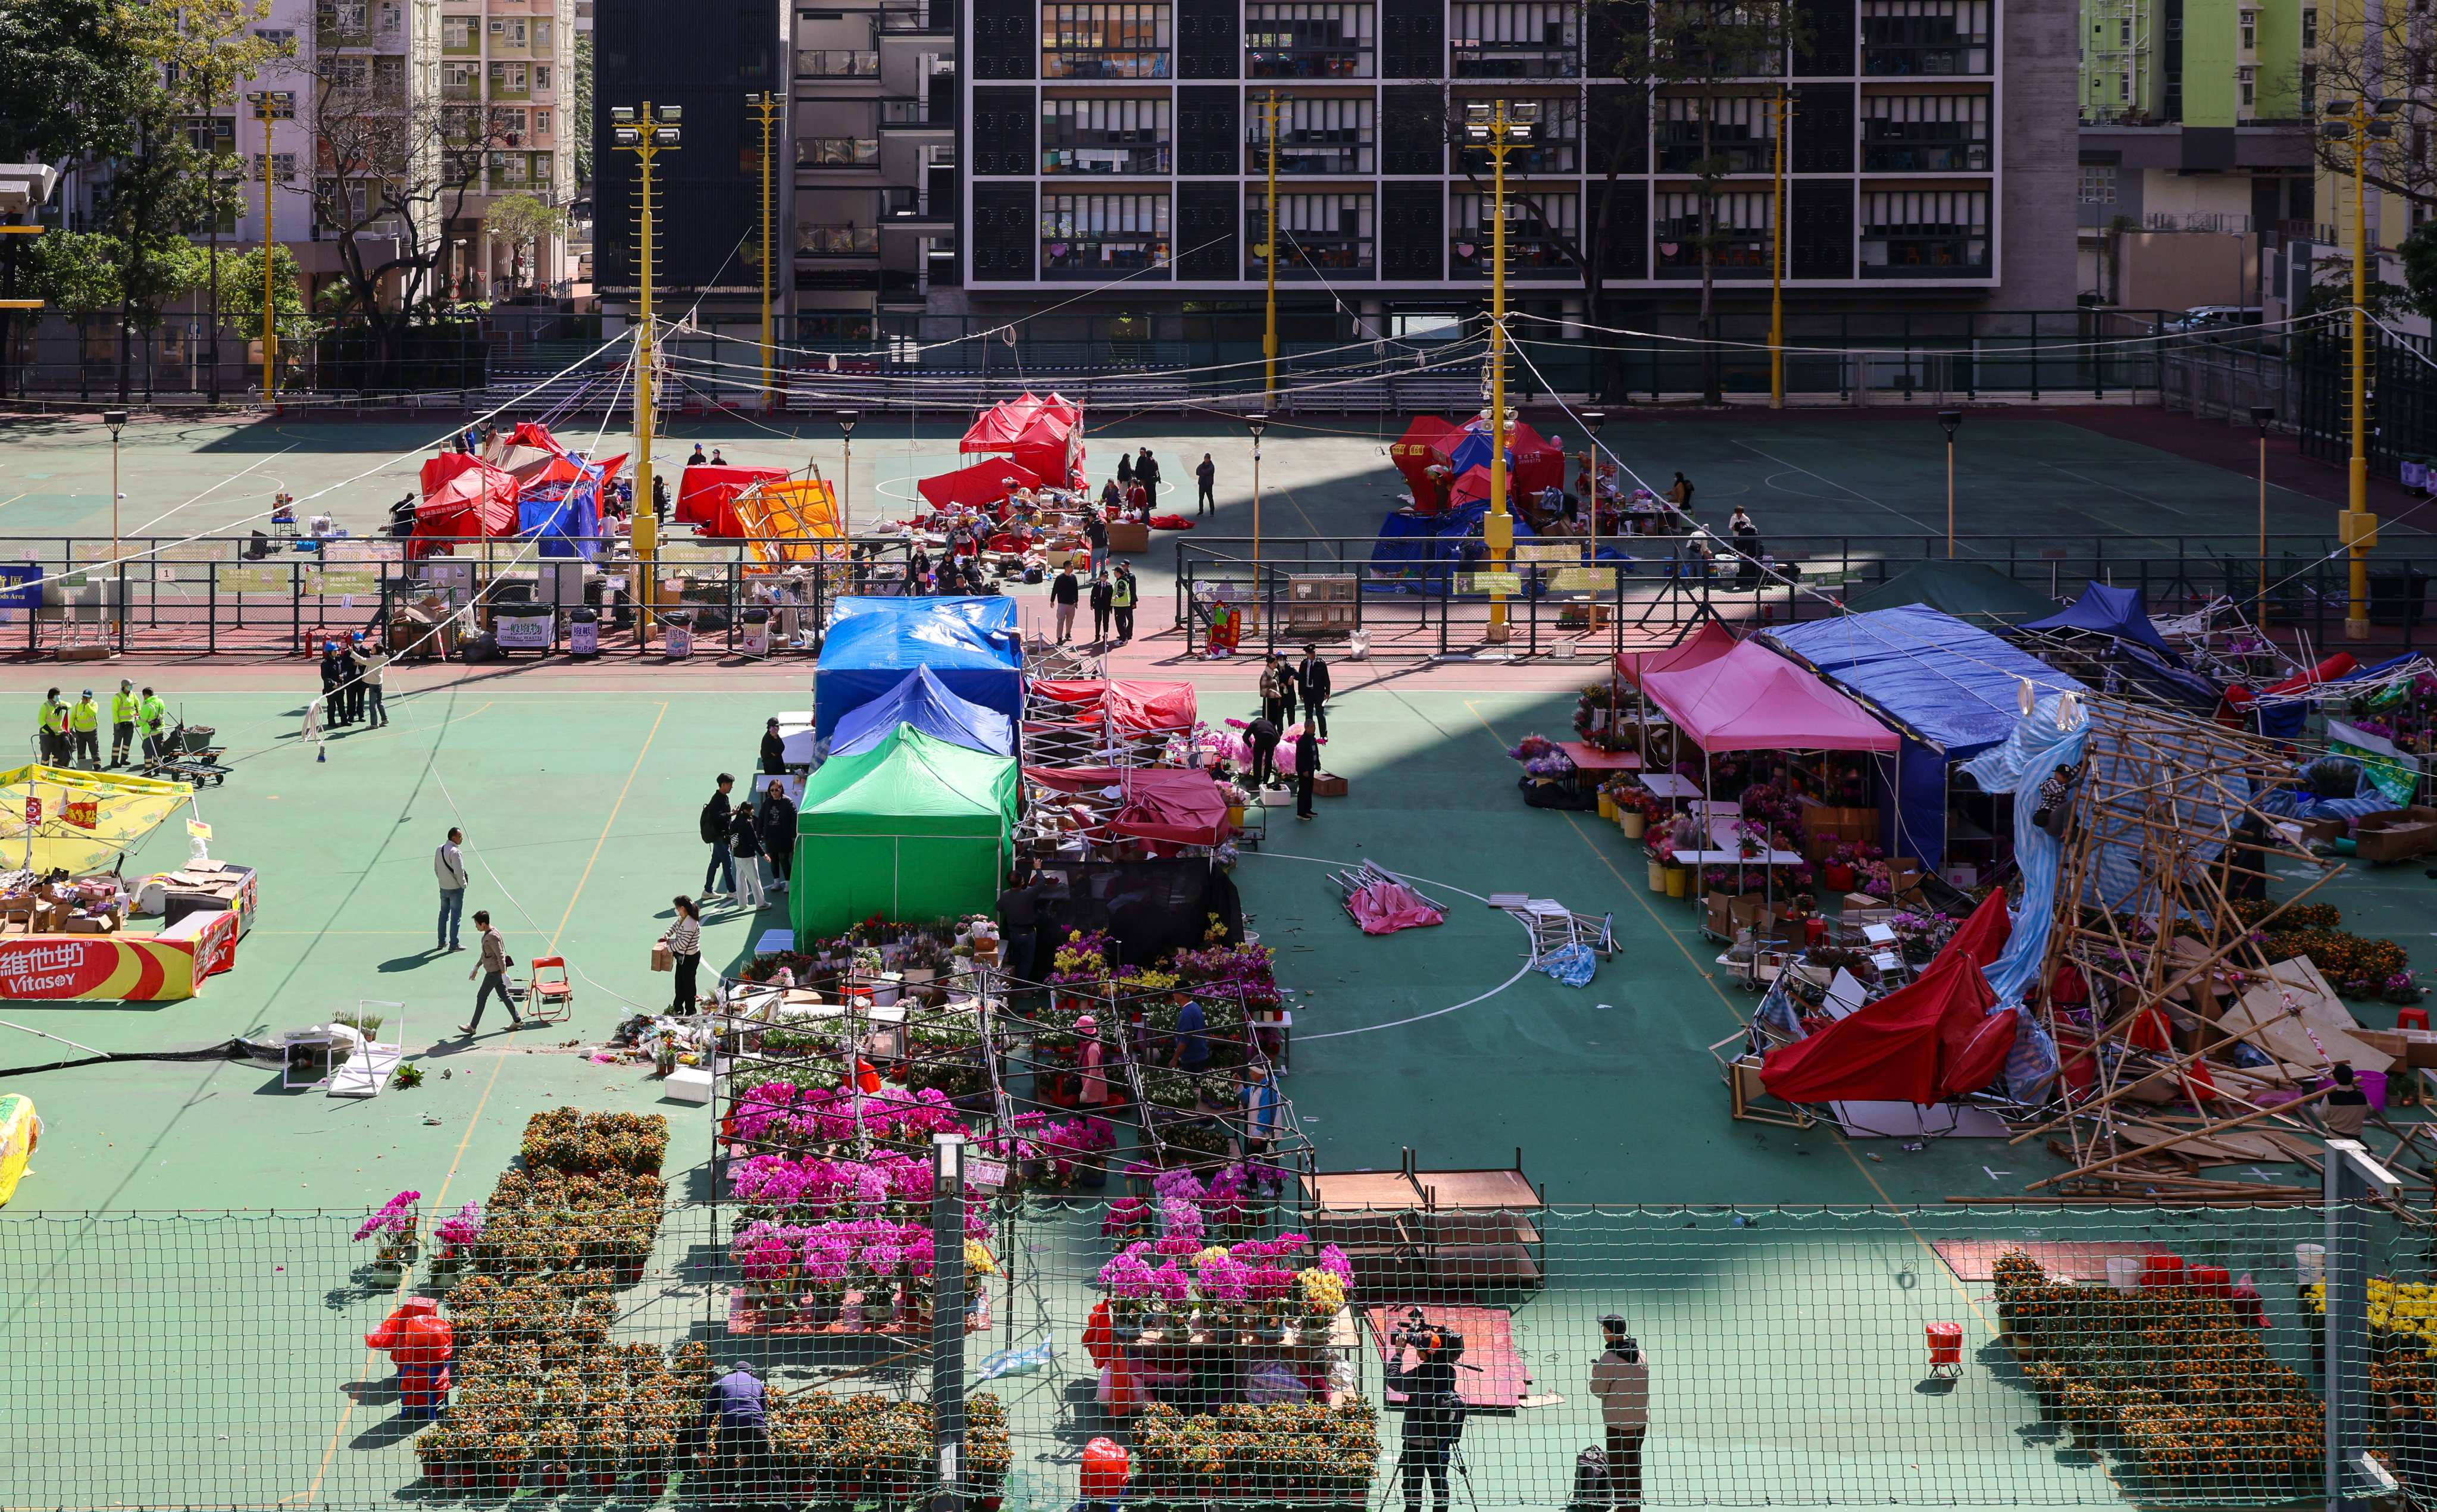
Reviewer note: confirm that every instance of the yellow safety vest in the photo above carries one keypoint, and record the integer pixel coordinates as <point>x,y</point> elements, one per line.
<point>152,711</point>
<point>55,718</point>
<point>86,715</point>
<point>123,707</point>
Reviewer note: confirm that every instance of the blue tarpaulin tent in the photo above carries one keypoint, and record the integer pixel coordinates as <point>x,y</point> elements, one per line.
<point>1950,690</point>
<point>2114,611</point>
<point>969,646</point>
<point>1420,554</point>
<point>922,701</point>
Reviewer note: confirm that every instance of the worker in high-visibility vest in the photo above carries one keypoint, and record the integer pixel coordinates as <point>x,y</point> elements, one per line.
<point>84,722</point>
<point>123,708</point>
<point>55,730</point>
<point>150,715</point>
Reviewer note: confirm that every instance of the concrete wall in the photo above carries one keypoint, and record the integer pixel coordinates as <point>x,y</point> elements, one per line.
<point>2041,152</point>
<point>2176,270</point>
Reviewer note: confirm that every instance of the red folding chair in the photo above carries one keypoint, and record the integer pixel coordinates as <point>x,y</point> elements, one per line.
<point>550,999</point>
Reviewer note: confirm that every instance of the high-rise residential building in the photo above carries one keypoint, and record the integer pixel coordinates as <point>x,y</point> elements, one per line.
<point>1121,151</point>
<point>508,68</point>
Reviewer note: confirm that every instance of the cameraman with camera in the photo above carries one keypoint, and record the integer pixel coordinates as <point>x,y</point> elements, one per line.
<point>1433,1411</point>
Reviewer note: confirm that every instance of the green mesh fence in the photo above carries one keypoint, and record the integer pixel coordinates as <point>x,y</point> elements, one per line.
<point>1825,1357</point>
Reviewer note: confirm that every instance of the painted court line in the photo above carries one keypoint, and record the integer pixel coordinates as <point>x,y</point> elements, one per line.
<point>1833,483</point>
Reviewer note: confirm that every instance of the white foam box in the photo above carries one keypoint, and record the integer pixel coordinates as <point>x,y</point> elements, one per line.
<point>687,1083</point>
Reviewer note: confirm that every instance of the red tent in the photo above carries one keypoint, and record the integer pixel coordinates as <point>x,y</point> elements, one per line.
<point>1049,447</point>
<point>466,498</point>
<point>1136,708</point>
<point>1063,408</point>
<point>1473,489</point>
<point>703,492</point>
<point>1923,1043</point>
<point>1535,462</point>
<point>999,425</point>
<point>1170,805</point>
<point>1417,450</point>
<point>983,486</point>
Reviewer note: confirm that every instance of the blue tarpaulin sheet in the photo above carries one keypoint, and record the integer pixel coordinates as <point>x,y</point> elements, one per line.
<point>922,701</point>
<point>968,644</point>
<point>2114,611</point>
<point>1421,554</point>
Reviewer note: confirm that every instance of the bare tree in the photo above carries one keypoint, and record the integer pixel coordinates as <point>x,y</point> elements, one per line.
<point>392,173</point>
<point>2358,58</point>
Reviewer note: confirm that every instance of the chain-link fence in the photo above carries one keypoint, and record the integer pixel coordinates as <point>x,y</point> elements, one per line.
<point>1824,1356</point>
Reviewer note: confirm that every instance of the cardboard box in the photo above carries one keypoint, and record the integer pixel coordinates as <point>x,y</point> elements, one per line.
<point>661,958</point>
<point>1129,535</point>
<point>1855,901</point>
<point>1329,784</point>
<point>2316,831</point>
<point>2415,1048</point>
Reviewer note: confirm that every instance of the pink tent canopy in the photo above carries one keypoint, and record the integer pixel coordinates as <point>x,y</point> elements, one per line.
<point>1134,707</point>
<point>999,425</point>
<point>1706,644</point>
<point>983,486</point>
<point>1162,804</point>
<point>1753,700</point>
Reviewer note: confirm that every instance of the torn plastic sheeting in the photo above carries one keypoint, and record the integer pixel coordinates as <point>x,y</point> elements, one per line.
<point>1573,965</point>
<point>1384,907</point>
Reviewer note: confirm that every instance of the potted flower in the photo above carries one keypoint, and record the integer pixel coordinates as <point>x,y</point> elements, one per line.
<point>828,1266</point>
<point>1838,872</point>
<point>458,1234</point>
<point>2401,989</point>
<point>395,1228</point>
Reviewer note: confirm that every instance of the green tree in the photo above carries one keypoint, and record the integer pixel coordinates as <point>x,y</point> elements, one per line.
<point>240,294</point>
<point>2419,252</point>
<point>210,50</point>
<point>582,117</point>
<point>157,191</point>
<point>521,220</point>
<point>72,273</point>
<point>71,72</point>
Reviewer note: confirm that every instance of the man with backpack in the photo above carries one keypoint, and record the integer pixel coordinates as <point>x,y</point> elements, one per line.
<point>1433,1411</point>
<point>714,833</point>
<point>1621,1381</point>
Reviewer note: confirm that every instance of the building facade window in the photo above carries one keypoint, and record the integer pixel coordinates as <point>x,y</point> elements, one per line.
<point>1106,41</point>
<point>1314,136</point>
<point>1105,136</point>
<point>1096,234</point>
<point>2246,86</point>
<point>2097,183</point>
<point>1740,130</point>
<point>1739,242</point>
<point>456,32</point>
<point>1900,37</point>
<point>837,63</point>
<point>283,167</point>
<point>1508,39</point>
<point>1539,227</point>
<point>1323,234</point>
<point>1925,133</point>
<point>2309,27</point>
<point>1307,40</point>
<point>1554,147</point>
<point>2249,32</point>
<point>1924,233</point>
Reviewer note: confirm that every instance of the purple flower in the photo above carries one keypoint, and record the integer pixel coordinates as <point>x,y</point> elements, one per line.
<point>1333,1260</point>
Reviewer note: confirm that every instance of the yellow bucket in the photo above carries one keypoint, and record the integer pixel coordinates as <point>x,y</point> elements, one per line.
<point>1679,881</point>
<point>1658,877</point>
<point>1606,807</point>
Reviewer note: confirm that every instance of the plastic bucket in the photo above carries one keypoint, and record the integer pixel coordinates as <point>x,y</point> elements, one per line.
<point>1945,1344</point>
<point>1658,877</point>
<point>2162,1270</point>
<point>2124,1272</point>
<point>1679,881</point>
<point>2213,1281</point>
<point>2310,1261</point>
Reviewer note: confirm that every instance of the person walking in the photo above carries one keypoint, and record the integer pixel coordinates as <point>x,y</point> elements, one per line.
<point>493,969</point>
<point>1122,595</point>
<point>1064,593</point>
<point>778,833</point>
<point>1191,1054</point>
<point>684,941</point>
<point>1103,599</point>
<point>713,823</point>
<point>84,722</point>
<point>739,1422</point>
<point>124,706</point>
<point>1621,1381</point>
<point>1260,1097</point>
<point>1307,766</point>
<point>1206,476</point>
<point>333,703</point>
<point>744,844</point>
<point>1311,675</point>
<point>448,864</point>
<point>1262,736</point>
<point>1095,530</point>
<point>1433,1411</point>
<point>372,661</point>
<point>152,715</point>
<point>1287,691</point>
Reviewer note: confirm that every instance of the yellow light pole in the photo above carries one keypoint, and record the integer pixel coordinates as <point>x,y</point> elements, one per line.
<point>1781,109</point>
<point>1500,126</point>
<point>268,105</point>
<point>769,107</point>
<point>646,134</point>
<point>1270,259</point>
<point>2360,120</point>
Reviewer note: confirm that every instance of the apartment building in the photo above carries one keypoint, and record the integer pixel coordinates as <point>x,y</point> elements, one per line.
<point>508,65</point>
<point>1128,146</point>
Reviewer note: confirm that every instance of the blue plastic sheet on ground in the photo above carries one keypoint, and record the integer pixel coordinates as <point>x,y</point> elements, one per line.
<point>1573,965</point>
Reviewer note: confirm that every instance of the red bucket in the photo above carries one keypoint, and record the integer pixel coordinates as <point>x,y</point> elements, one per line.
<point>2162,1270</point>
<point>1945,1344</point>
<point>1105,1468</point>
<point>2213,1281</point>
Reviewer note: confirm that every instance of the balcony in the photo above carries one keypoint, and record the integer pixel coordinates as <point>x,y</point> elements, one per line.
<point>912,115</point>
<point>1733,253</point>
<point>1679,147</point>
<point>837,63</point>
<point>837,241</point>
<point>1527,257</point>
<point>1924,156</point>
<point>1312,152</point>
<point>1114,157</point>
<point>1105,62</point>
<point>837,153</point>
<point>1549,155</point>
<point>1921,48</point>
<point>1317,61</point>
<point>1309,253</point>
<point>923,19</point>
<point>1515,60</point>
<point>1108,254</point>
<point>1953,253</point>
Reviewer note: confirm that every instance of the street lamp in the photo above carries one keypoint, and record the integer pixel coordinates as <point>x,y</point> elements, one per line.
<point>845,419</point>
<point>1499,126</point>
<point>1781,109</point>
<point>1946,421</point>
<point>1268,251</point>
<point>2360,120</point>
<point>2263,418</point>
<point>646,132</point>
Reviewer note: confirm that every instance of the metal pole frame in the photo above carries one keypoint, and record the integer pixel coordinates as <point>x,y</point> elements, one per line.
<point>947,1313</point>
<point>2353,1180</point>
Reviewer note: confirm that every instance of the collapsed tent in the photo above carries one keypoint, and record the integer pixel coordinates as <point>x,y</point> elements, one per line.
<point>2107,610</point>
<point>922,702</point>
<point>465,499</point>
<point>1952,689</point>
<point>1419,553</point>
<point>914,828</point>
<point>1932,1039</point>
<point>88,818</point>
<point>1417,451</point>
<point>1704,645</point>
<point>1751,699</point>
<point>1531,463</point>
<point>983,486</point>
<point>1132,708</point>
<point>1170,805</point>
<point>970,643</point>
<point>704,494</point>
<point>1974,592</point>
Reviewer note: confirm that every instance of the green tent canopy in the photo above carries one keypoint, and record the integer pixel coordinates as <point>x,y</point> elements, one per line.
<point>1974,592</point>
<point>914,828</point>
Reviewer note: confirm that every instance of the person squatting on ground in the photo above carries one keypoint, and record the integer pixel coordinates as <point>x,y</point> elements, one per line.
<point>1433,1411</point>
<point>1621,1381</point>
